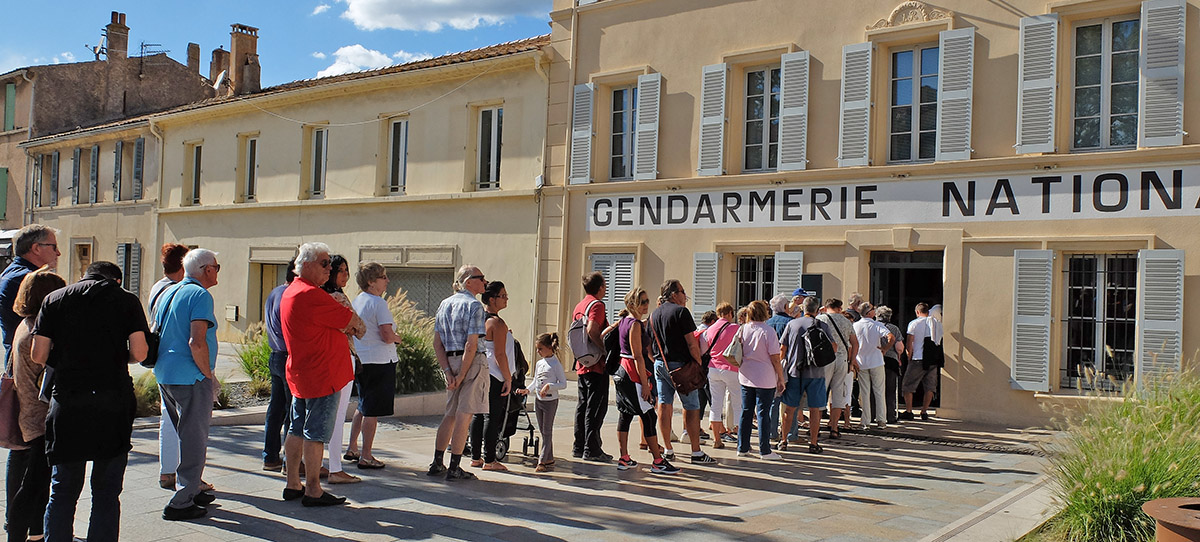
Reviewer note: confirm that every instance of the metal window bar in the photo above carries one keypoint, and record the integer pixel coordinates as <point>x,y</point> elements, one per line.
<point>1100,322</point>
<point>755,279</point>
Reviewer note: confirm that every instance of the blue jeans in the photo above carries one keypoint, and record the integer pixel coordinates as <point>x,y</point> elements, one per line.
<point>279,409</point>
<point>65,486</point>
<point>756,401</point>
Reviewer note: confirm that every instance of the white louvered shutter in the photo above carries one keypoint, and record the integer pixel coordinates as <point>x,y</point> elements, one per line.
<point>1036,81</point>
<point>1032,272</point>
<point>94,174</point>
<point>581,134</point>
<point>54,167</point>
<point>854,124</point>
<point>712,120</point>
<point>135,269</point>
<point>619,284</point>
<point>1160,103</point>
<point>1160,314</point>
<point>704,283</point>
<point>789,266</point>
<point>139,158</point>
<point>956,72</point>
<point>793,111</point>
<point>118,157</point>
<point>645,158</point>
<point>75,176</point>
<point>122,252</point>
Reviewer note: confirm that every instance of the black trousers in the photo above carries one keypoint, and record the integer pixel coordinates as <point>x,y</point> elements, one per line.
<point>589,413</point>
<point>28,481</point>
<point>487,427</point>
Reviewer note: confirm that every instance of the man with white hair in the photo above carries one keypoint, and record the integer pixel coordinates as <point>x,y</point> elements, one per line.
<point>780,317</point>
<point>457,331</point>
<point>187,355</point>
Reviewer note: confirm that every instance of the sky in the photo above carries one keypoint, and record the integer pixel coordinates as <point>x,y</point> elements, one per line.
<point>297,39</point>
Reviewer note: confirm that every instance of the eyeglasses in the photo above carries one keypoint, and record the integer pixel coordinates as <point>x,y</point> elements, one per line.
<point>480,277</point>
<point>644,302</point>
<point>51,245</point>
<point>215,267</point>
<point>325,263</point>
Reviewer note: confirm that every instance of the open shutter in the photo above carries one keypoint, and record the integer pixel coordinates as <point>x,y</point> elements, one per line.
<point>75,176</point>
<point>36,200</point>
<point>854,126</point>
<point>1160,123</point>
<point>581,134</point>
<point>704,283</point>
<point>645,159</point>
<point>793,111</point>
<point>956,67</point>
<point>118,157</point>
<point>1160,314</point>
<point>139,157</point>
<point>134,273</point>
<point>712,120</point>
<point>54,159</point>
<point>94,174</point>
<point>1032,272</point>
<point>1036,81</point>
<point>788,268</point>
<point>3,193</point>
<point>122,253</point>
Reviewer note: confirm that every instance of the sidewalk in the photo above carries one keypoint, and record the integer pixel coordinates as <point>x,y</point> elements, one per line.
<point>864,487</point>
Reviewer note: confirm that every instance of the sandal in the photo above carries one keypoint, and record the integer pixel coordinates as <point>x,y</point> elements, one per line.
<point>351,456</point>
<point>369,463</point>
<point>834,433</point>
<point>343,477</point>
<point>783,445</point>
<point>495,466</point>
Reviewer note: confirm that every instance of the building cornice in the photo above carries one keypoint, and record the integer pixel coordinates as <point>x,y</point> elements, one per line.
<point>490,195</point>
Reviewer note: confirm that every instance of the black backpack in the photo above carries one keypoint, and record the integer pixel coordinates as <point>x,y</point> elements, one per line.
<point>820,348</point>
<point>612,351</point>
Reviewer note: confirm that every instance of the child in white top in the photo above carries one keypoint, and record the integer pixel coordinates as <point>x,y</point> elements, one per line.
<point>548,378</point>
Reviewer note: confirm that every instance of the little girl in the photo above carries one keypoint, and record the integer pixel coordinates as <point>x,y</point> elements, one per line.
<point>548,378</point>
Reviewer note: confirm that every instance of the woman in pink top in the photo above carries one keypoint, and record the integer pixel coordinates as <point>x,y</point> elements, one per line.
<point>761,376</point>
<point>722,377</point>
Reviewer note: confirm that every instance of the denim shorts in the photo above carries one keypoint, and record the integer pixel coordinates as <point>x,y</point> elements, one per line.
<point>313,419</point>
<point>666,388</point>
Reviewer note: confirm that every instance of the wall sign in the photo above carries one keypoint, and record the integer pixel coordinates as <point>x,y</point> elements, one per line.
<point>1049,195</point>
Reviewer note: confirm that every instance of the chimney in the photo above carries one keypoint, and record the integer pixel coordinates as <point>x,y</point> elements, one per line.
<point>220,63</point>
<point>118,37</point>
<point>193,57</point>
<point>244,69</point>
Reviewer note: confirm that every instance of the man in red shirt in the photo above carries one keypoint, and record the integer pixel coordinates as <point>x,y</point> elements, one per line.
<point>314,328</point>
<point>593,381</point>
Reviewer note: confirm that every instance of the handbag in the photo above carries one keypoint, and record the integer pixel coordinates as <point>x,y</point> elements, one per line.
<point>10,413</point>
<point>733,352</point>
<point>686,379</point>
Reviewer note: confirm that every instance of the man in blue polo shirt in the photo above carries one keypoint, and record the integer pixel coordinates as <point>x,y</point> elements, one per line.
<point>35,245</point>
<point>187,355</point>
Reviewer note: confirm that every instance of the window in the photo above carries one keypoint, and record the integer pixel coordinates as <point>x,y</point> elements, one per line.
<point>762,119</point>
<point>320,154</point>
<point>914,103</point>
<point>76,158</point>
<point>118,161</point>
<point>617,269</point>
<point>398,157</point>
<point>755,279</point>
<point>624,129</point>
<point>94,175</point>
<point>424,287</point>
<point>250,177</point>
<point>192,188</point>
<point>129,259</point>
<point>1106,84</point>
<point>1101,321</point>
<point>491,123</point>
<point>82,259</point>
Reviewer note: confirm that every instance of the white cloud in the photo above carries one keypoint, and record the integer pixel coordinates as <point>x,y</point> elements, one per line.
<point>352,58</point>
<point>66,56</point>
<point>405,56</point>
<point>321,9</point>
<point>433,15</point>
<point>319,55</point>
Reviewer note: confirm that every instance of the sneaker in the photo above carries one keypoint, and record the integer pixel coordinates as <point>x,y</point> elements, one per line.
<point>668,454</point>
<point>703,459</point>
<point>577,455</point>
<point>663,467</point>
<point>730,438</point>
<point>881,426</point>
<point>457,473</point>
<point>906,415</point>
<point>326,499</point>
<point>772,457</point>
<point>744,454</point>
<point>436,469</point>
<point>183,514</point>
<point>626,463</point>
<point>704,436</point>
<point>925,416</point>
<point>599,458</point>
<point>683,437</point>
<point>273,466</point>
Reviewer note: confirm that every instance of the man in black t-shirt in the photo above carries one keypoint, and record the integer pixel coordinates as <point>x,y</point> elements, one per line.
<point>89,332</point>
<point>673,345</point>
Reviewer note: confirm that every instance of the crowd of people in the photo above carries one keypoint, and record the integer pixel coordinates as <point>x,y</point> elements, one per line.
<point>68,348</point>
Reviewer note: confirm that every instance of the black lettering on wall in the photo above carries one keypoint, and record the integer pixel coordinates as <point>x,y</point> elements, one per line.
<point>1174,200</point>
<point>763,201</point>
<point>1010,203</point>
<point>624,207</point>
<point>672,203</point>
<point>790,204</point>
<point>729,210</point>
<point>950,192</point>
<point>861,202</point>
<point>704,209</point>
<point>1077,193</point>
<point>606,214</point>
<point>845,200</point>
<point>826,196</point>
<point>1046,182</point>
<point>1098,192</point>
<point>654,212</point>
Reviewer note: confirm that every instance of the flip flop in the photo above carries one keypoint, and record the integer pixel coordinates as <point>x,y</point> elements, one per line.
<point>495,466</point>
<point>351,456</point>
<point>365,463</point>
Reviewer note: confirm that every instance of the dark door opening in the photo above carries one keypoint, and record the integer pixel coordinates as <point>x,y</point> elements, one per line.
<point>900,280</point>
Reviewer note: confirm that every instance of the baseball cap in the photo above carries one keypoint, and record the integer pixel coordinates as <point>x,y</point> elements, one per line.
<point>800,292</point>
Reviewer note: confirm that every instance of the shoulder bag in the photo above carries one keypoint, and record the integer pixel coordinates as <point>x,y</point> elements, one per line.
<point>153,338</point>
<point>733,352</point>
<point>10,412</point>
<point>688,378</point>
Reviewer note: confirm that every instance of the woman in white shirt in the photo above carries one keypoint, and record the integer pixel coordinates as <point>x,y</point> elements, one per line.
<point>376,380</point>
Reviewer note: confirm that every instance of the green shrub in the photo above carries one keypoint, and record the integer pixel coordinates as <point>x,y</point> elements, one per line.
<point>1116,455</point>
<point>222,401</point>
<point>254,354</point>
<point>418,369</point>
<point>145,389</point>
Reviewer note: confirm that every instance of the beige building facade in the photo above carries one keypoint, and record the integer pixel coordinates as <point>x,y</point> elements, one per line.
<point>1025,164</point>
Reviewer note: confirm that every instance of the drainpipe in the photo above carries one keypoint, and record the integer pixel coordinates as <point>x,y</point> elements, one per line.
<point>28,210</point>
<point>154,225</point>
<point>538,202</point>
<point>566,194</point>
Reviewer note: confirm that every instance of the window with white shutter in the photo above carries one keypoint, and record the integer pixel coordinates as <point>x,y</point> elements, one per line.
<point>139,159</point>
<point>581,134</point>
<point>118,159</point>
<point>649,95</point>
<point>1032,272</point>
<point>761,146</point>
<point>712,120</point>
<point>94,175</point>
<point>1036,82</point>
<point>617,269</point>
<point>1100,315</point>
<point>624,132</point>
<point>754,279</point>
<point>789,268</point>
<point>1159,314</point>
<point>129,259</point>
<point>914,103</point>
<point>1161,74</point>
<point>854,124</point>
<point>793,114</point>
<point>704,283</point>
<point>957,71</point>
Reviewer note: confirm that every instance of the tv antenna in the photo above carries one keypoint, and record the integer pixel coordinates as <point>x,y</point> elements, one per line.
<point>149,49</point>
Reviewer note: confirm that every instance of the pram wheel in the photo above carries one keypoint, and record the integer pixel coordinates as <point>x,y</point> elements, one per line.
<point>502,449</point>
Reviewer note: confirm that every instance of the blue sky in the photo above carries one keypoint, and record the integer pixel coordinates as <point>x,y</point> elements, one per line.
<point>298,39</point>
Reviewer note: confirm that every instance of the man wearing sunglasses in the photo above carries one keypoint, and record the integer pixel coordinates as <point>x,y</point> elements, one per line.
<point>457,331</point>
<point>35,245</point>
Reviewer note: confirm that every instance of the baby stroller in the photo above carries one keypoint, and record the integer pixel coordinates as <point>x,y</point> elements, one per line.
<point>516,417</point>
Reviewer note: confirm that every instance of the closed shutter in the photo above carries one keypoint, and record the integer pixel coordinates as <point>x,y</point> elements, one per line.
<point>645,159</point>
<point>75,176</point>
<point>793,111</point>
<point>603,264</point>
<point>789,266</point>
<point>1161,75</point>
<point>3,192</point>
<point>704,283</point>
<point>1032,272</point>
<point>618,277</point>
<point>36,201</point>
<point>118,157</point>
<point>94,174</point>
<point>581,134</point>
<point>1036,81</point>
<point>139,157</point>
<point>122,255</point>
<point>854,125</point>
<point>712,120</point>
<point>957,72</point>
<point>134,282</point>
<point>10,106</point>
<point>1160,314</point>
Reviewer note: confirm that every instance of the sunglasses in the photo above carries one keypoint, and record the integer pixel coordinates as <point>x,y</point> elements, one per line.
<point>645,301</point>
<point>480,277</point>
<point>215,267</point>
<point>325,263</point>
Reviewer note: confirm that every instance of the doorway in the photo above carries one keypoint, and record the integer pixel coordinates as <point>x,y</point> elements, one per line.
<point>900,280</point>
